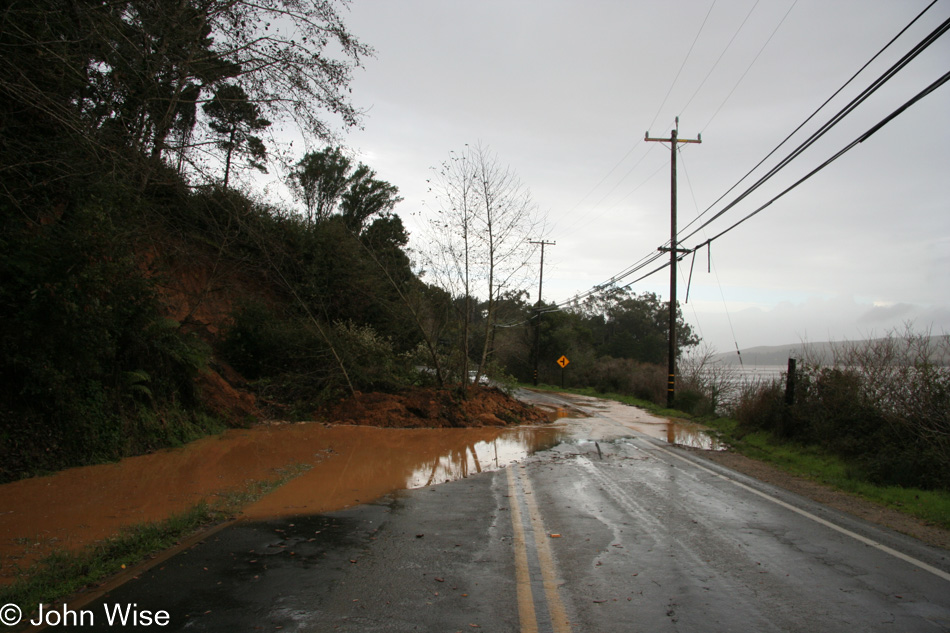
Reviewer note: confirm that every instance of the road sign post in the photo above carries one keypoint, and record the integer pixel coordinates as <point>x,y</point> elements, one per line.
<point>563,362</point>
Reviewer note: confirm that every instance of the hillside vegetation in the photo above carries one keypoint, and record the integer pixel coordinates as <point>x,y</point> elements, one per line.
<point>123,252</point>
<point>149,297</point>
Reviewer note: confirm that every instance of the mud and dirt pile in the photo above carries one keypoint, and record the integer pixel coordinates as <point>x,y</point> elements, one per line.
<point>432,408</point>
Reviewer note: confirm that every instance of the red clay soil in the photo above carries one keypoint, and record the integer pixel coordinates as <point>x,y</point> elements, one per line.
<point>432,408</point>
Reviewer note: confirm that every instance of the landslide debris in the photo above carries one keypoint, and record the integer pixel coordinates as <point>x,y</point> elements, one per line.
<point>432,408</point>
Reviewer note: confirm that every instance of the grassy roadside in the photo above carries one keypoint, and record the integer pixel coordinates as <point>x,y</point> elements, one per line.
<point>809,462</point>
<point>816,464</point>
<point>63,574</point>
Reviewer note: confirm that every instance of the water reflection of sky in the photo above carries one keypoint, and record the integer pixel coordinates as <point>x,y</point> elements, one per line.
<point>691,435</point>
<point>673,431</point>
<point>484,456</point>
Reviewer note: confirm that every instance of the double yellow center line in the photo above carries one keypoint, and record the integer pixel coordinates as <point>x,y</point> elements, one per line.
<point>539,605</point>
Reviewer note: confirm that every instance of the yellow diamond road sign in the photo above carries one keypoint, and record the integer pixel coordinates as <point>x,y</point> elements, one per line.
<point>563,362</point>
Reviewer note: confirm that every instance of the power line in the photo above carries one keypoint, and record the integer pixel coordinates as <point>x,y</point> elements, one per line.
<point>607,175</point>
<point>719,59</point>
<point>660,109</point>
<point>649,259</point>
<point>581,221</point>
<point>920,95</point>
<point>683,65</point>
<point>815,113</point>
<point>663,103</point>
<point>837,118</point>
<point>749,67</point>
<point>712,269</point>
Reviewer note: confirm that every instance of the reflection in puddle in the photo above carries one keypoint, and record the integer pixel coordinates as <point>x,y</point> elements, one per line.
<point>607,419</point>
<point>691,435</point>
<point>484,456</point>
<point>374,462</point>
<point>348,465</point>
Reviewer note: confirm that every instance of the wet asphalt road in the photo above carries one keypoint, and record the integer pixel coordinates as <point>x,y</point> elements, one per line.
<point>625,534</point>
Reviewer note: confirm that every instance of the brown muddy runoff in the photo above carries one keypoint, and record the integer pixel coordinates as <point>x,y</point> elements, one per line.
<point>347,465</point>
<point>343,465</point>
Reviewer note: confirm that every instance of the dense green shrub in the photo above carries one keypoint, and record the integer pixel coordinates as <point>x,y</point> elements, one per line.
<point>298,360</point>
<point>85,350</point>
<point>760,406</point>
<point>882,405</point>
<point>625,376</point>
<point>372,363</point>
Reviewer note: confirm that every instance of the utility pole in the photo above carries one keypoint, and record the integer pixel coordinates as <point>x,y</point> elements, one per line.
<point>537,325</point>
<point>674,253</point>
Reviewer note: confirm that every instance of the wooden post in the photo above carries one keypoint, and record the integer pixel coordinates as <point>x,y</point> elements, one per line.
<point>537,323</point>
<point>790,383</point>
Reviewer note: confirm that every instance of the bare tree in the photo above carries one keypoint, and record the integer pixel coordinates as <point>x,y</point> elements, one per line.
<point>479,239</point>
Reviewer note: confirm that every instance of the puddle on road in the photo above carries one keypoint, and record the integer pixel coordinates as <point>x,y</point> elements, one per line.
<point>683,433</point>
<point>378,463</point>
<point>610,419</point>
<point>76,507</point>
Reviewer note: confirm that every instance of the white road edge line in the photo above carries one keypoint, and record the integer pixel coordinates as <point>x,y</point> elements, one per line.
<point>879,546</point>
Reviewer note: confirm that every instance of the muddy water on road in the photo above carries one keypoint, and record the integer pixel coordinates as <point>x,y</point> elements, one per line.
<point>606,419</point>
<point>380,462</point>
<point>347,465</point>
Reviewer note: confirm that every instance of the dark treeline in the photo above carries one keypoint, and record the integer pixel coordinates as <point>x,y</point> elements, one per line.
<point>126,128</point>
<point>616,341</point>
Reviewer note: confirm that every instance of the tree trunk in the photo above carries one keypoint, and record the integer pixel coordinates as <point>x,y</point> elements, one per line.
<point>227,160</point>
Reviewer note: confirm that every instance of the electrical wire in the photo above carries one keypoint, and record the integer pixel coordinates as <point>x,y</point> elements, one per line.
<point>712,269</point>
<point>815,113</point>
<point>630,151</point>
<point>683,65</point>
<point>837,118</point>
<point>607,175</point>
<point>719,59</point>
<point>649,259</point>
<point>920,95</point>
<point>887,76</point>
<point>749,67</point>
<point>582,221</point>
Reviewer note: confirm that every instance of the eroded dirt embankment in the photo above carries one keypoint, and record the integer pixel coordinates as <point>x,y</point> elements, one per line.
<point>433,408</point>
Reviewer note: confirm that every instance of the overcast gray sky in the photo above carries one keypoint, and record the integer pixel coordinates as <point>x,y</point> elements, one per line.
<point>564,90</point>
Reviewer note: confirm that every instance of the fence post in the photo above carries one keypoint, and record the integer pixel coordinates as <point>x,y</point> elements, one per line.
<point>790,383</point>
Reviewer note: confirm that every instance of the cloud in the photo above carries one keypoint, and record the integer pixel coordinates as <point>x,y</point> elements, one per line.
<point>883,314</point>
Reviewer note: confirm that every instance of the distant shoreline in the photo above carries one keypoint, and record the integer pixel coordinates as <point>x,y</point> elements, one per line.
<point>778,355</point>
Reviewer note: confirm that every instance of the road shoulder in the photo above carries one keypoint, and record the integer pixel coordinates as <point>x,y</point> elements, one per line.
<point>837,499</point>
